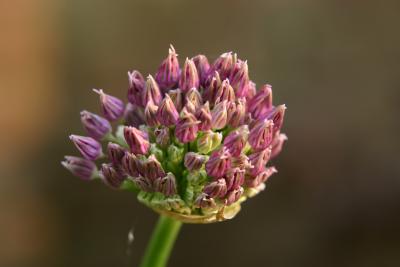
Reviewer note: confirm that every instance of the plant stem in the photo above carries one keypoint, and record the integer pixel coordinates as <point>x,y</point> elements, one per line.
<point>161,242</point>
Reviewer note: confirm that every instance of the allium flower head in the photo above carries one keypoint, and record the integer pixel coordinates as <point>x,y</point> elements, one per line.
<point>194,142</point>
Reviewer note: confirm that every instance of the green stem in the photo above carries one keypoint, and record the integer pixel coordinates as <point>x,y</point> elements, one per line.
<point>161,242</point>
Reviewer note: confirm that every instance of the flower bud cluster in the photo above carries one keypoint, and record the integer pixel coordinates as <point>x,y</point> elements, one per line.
<point>192,140</point>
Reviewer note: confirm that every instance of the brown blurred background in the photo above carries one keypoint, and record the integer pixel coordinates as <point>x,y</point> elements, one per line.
<point>336,198</point>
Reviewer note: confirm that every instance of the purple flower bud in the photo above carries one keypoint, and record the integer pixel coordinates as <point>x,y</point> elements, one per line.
<point>152,92</point>
<point>216,189</point>
<point>137,140</point>
<point>258,160</point>
<point>277,115</point>
<point>189,77</point>
<point>162,136</point>
<point>167,75</point>
<point>218,163</point>
<point>204,201</point>
<point>176,97</point>
<point>143,183</point>
<point>261,134</point>
<point>131,164</point>
<point>187,127</point>
<point>150,114</point>
<point>277,143</point>
<point>224,64</point>
<point>251,90</point>
<point>219,115</point>
<point>214,84</point>
<point>234,195</point>
<point>111,107</point>
<point>234,178</point>
<point>95,126</point>
<point>112,177</point>
<point>115,153</point>
<point>80,167</point>
<point>166,185</point>
<point>208,141</point>
<point>241,162</point>
<point>261,177</point>
<point>224,92</point>
<point>134,115</point>
<point>87,146</point>
<point>152,168</point>
<point>236,140</point>
<point>167,113</point>
<point>136,88</point>
<point>237,112</point>
<point>203,114</point>
<point>203,67</point>
<point>193,100</point>
<point>194,161</point>
<point>239,78</point>
<point>261,103</point>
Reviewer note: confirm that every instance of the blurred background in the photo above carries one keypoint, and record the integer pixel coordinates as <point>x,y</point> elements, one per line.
<point>336,198</point>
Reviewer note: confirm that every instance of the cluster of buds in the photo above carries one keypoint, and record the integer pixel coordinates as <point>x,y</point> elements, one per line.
<point>193,142</point>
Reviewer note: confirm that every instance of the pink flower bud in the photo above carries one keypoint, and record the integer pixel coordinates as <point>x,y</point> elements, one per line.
<point>277,115</point>
<point>204,201</point>
<point>237,112</point>
<point>189,76</point>
<point>251,90</point>
<point>224,64</point>
<point>150,114</point>
<point>277,144</point>
<point>219,116</point>
<point>261,177</point>
<point>166,185</point>
<point>203,114</point>
<point>224,92</point>
<point>236,140</point>
<point>203,68</point>
<point>143,183</point>
<point>187,127</point>
<point>95,126</point>
<point>87,146</point>
<point>218,163</point>
<point>216,189</point>
<point>194,99</point>
<point>167,113</point>
<point>115,153</point>
<point>194,161</point>
<point>167,75</point>
<point>239,78</point>
<point>152,168</point>
<point>177,98</point>
<point>111,107</point>
<point>241,162</point>
<point>261,134</point>
<point>234,178</point>
<point>112,177</point>
<point>258,160</point>
<point>152,92</point>
<point>213,84</point>
<point>261,103</point>
<point>136,88</point>
<point>80,167</point>
<point>131,164</point>
<point>137,140</point>
<point>234,195</point>
<point>162,136</point>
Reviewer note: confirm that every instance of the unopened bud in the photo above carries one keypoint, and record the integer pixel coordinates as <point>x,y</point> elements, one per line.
<point>261,134</point>
<point>187,127</point>
<point>203,67</point>
<point>152,92</point>
<point>276,115</point>
<point>258,160</point>
<point>112,177</point>
<point>261,103</point>
<point>167,113</point>
<point>80,167</point>
<point>236,140</point>
<point>134,115</point>
<point>137,140</point>
<point>224,64</point>
<point>239,78</point>
<point>167,75</point>
<point>208,141</point>
<point>95,126</point>
<point>234,195</point>
<point>166,185</point>
<point>234,178</point>
<point>131,164</point>
<point>162,136</point>
<point>150,114</point>
<point>204,201</point>
<point>218,163</point>
<point>111,107</point>
<point>115,153</point>
<point>177,98</point>
<point>194,161</point>
<point>189,76</point>
<point>277,144</point>
<point>219,115</point>
<point>136,88</point>
<point>216,189</point>
<point>87,146</point>
<point>203,114</point>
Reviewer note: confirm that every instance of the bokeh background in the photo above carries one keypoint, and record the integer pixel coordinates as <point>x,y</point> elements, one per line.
<point>336,199</point>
